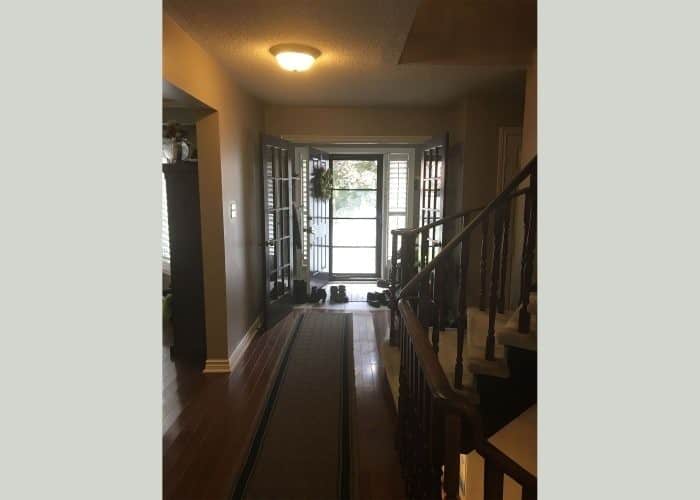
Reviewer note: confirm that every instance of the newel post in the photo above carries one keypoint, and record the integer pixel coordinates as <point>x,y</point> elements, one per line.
<point>408,258</point>
<point>393,288</point>
<point>424,299</point>
<point>453,439</point>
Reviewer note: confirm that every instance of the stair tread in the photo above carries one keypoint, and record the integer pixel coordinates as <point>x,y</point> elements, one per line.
<point>474,354</point>
<point>467,392</point>
<point>496,367</point>
<point>474,350</point>
<point>512,337</point>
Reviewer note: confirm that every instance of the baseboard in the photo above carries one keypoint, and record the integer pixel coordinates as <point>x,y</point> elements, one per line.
<point>242,346</point>
<point>223,365</point>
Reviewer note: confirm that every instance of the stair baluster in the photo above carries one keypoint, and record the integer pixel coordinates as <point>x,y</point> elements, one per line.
<point>523,316</point>
<point>393,283</point>
<point>504,257</point>
<point>493,301</point>
<point>529,493</point>
<point>453,429</point>
<point>484,259</point>
<point>424,305</point>
<point>528,257</point>
<point>436,451</point>
<point>437,282</point>
<point>493,481</point>
<point>462,311</point>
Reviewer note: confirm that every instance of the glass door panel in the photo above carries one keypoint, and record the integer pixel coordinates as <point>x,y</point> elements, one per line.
<point>356,215</point>
<point>277,245</point>
<point>354,203</point>
<point>354,232</point>
<point>355,174</point>
<point>432,190</point>
<point>356,260</point>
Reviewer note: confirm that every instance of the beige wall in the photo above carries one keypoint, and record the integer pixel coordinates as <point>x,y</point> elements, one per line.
<point>228,144</point>
<point>474,122</point>
<point>353,121</point>
<point>484,114</point>
<point>530,114</point>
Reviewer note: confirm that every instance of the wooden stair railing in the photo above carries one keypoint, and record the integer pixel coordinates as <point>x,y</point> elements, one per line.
<point>430,426</point>
<point>431,413</point>
<point>404,262</point>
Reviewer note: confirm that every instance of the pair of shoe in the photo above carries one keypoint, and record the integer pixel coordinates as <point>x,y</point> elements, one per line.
<point>382,283</point>
<point>317,295</point>
<point>338,295</point>
<point>376,299</point>
<point>278,290</point>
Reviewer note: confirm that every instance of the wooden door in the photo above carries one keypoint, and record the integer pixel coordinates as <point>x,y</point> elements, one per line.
<point>318,224</point>
<point>277,159</point>
<point>432,188</point>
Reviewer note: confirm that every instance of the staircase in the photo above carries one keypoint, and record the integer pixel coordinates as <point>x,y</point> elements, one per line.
<point>467,365</point>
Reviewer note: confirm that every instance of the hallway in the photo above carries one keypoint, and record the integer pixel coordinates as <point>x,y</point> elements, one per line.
<point>208,420</point>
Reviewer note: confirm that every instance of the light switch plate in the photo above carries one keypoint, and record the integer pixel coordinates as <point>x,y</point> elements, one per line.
<point>234,210</point>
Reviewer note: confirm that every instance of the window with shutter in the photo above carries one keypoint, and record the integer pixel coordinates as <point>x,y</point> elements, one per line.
<point>398,194</point>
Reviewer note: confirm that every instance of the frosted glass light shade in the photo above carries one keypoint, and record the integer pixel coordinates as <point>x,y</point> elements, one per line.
<point>294,57</point>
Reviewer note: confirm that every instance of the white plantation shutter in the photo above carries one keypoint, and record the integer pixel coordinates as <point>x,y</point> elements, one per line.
<point>398,194</point>
<point>164,229</point>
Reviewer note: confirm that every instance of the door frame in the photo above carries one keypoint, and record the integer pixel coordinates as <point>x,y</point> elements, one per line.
<point>378,219</point>
<point>386,149</point>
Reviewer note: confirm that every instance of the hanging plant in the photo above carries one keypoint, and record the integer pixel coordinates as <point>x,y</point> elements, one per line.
<point>321,183</point>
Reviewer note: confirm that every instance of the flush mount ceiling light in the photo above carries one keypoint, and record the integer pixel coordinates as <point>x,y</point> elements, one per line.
<point>294,57</point>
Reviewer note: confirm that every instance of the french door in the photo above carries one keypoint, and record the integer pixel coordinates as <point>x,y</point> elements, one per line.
<point>277,158</point>
<point>356,212</point>
<point>432,190</point>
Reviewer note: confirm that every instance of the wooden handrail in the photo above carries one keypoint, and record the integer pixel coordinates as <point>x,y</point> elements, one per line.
<point>416,230</point>
<point>454,402</point>
<point>434,374</point>
<point>506,464</point>
<point>504,195</point>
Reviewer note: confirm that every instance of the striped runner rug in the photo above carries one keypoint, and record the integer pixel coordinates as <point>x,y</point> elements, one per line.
<point>303,446</point>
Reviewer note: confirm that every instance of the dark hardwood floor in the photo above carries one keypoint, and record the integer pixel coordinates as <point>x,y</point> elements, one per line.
<point>379,468</point>
<point>208,420</point>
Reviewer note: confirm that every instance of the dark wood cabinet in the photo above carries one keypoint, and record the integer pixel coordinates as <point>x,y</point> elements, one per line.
<point>187,282</point>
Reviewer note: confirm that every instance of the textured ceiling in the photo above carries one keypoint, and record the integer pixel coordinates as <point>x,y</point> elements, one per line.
<point>361,43</point>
